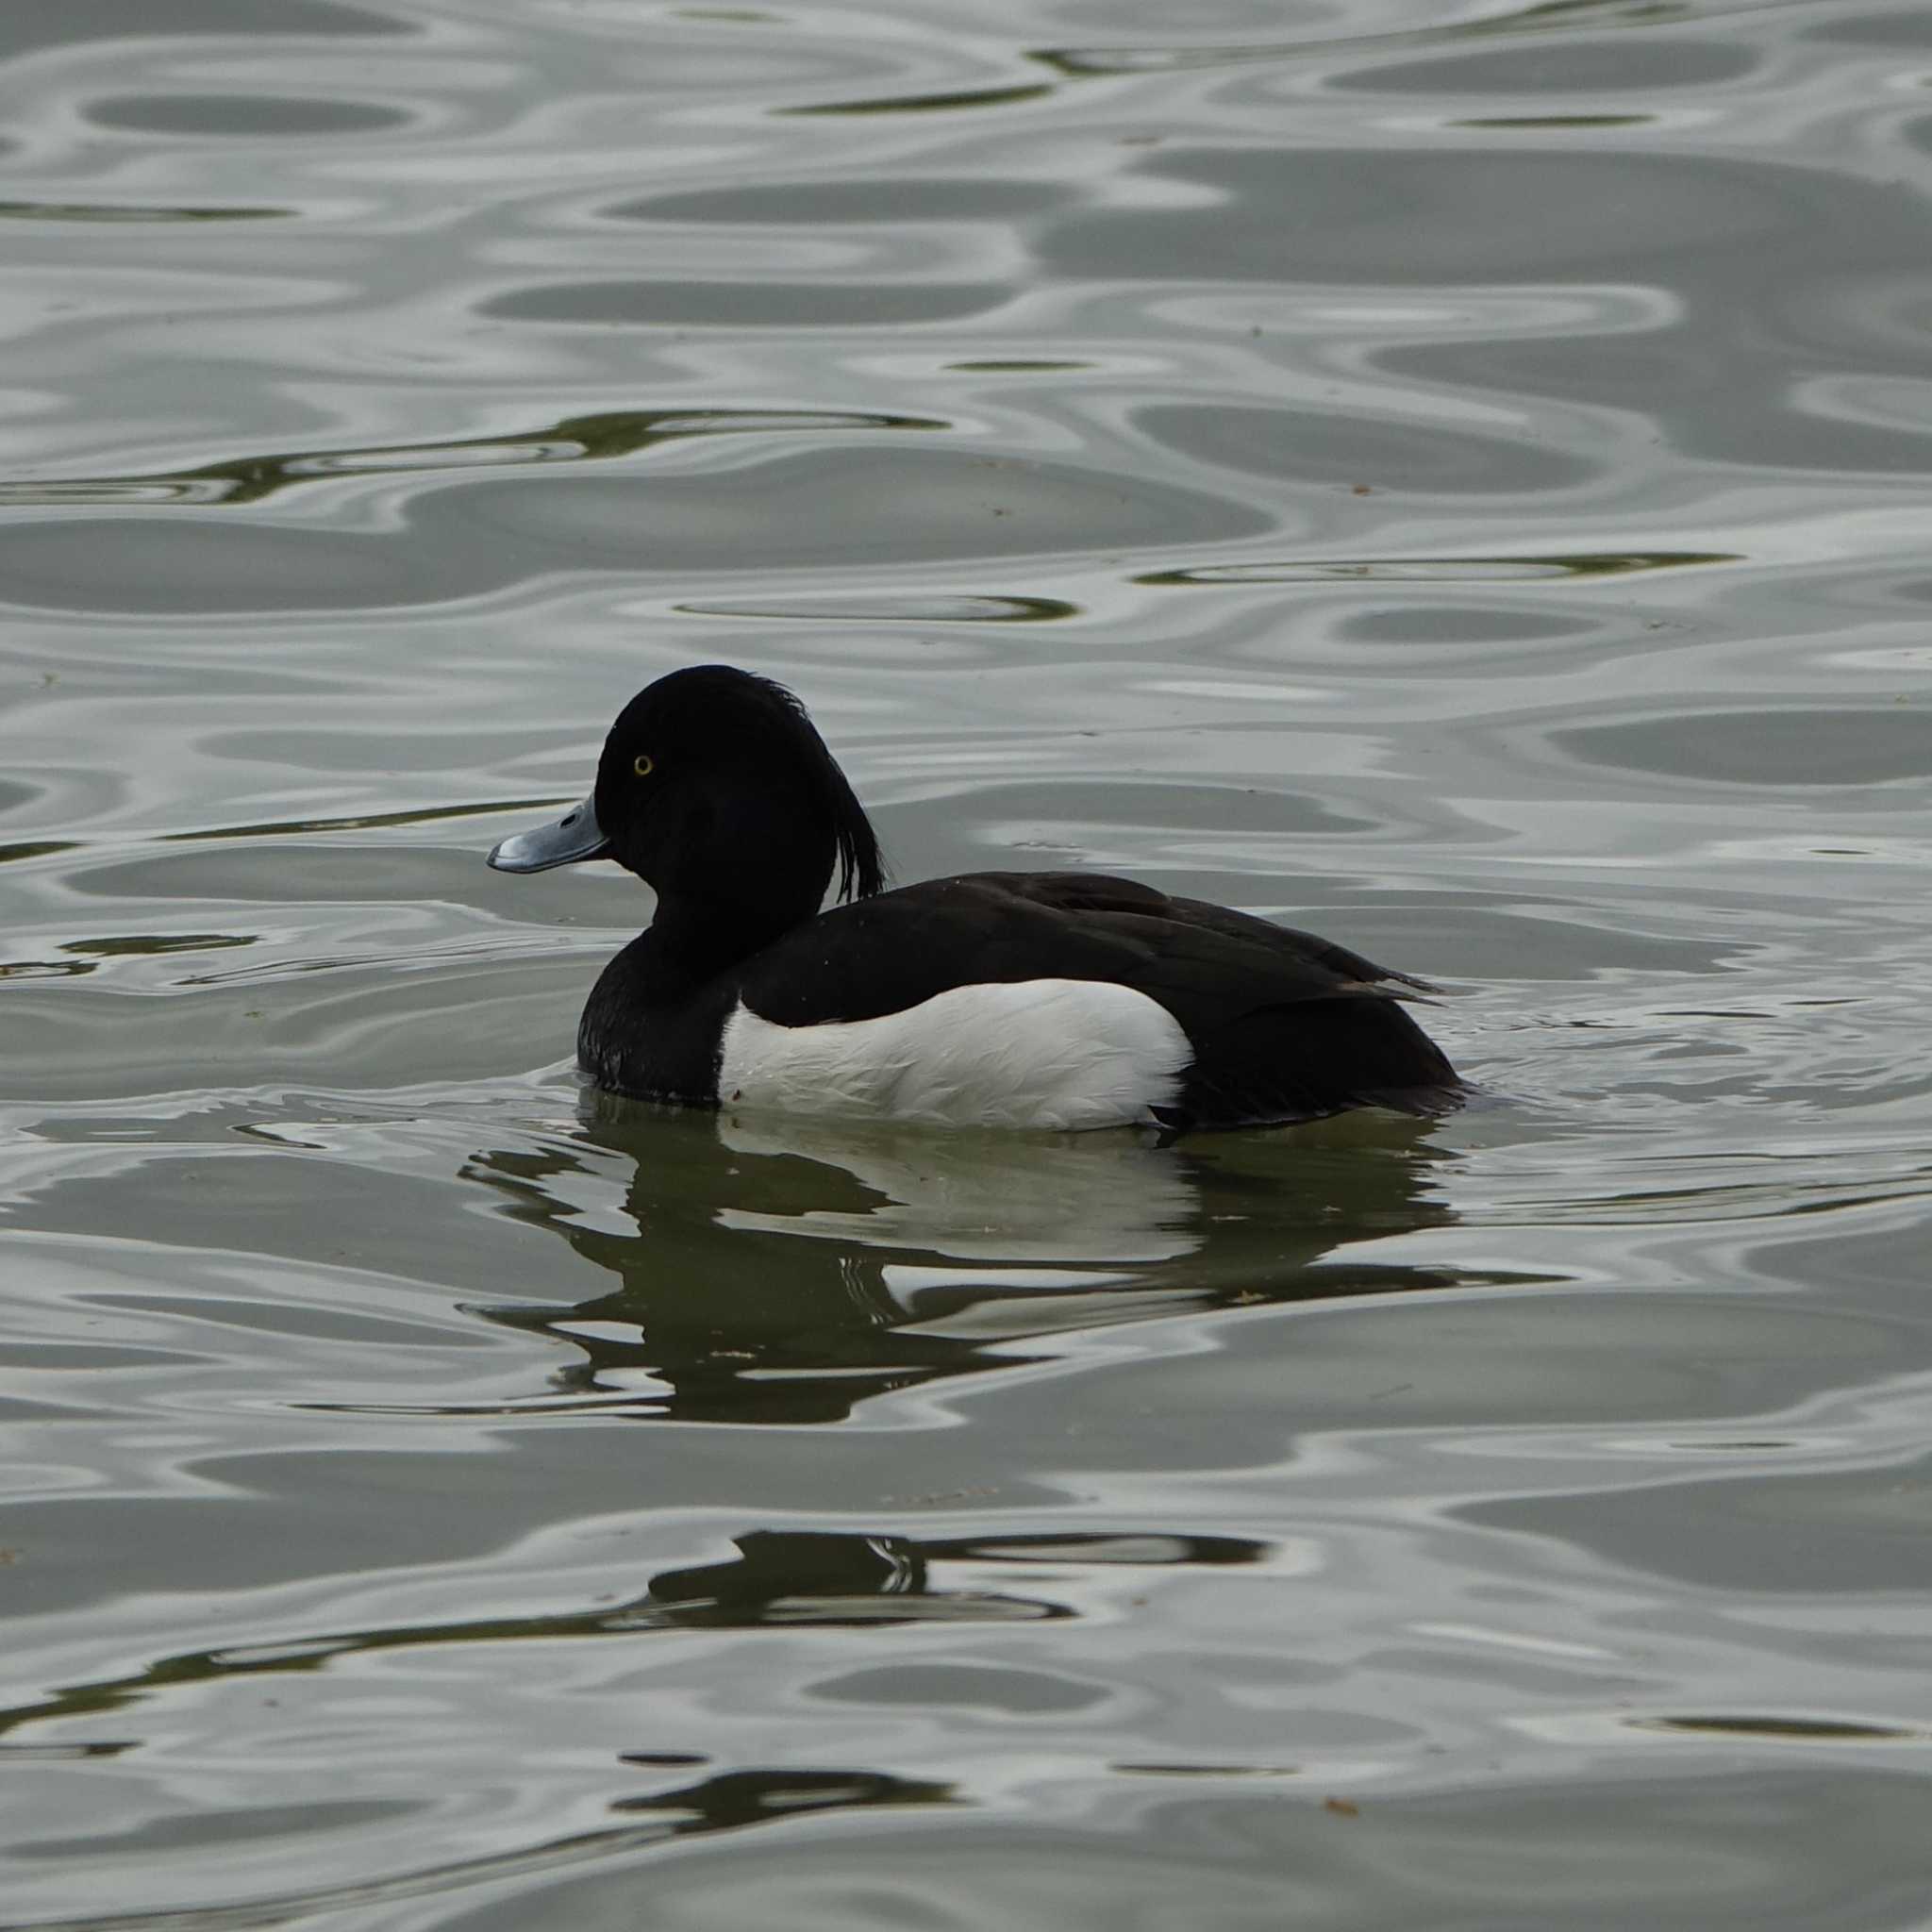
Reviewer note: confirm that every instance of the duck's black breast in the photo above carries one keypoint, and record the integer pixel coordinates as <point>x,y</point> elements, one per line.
<point>1283,1025</point>
<point>651,1035</point>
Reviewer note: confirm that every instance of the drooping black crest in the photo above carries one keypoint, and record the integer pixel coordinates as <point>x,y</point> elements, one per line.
<point>862,871</point>
<point>716,710</point>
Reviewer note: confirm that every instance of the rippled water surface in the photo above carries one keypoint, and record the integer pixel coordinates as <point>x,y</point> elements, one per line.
<point>1452,475</point>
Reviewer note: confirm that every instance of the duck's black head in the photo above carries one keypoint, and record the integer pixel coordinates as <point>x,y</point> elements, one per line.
<point>715,789</point>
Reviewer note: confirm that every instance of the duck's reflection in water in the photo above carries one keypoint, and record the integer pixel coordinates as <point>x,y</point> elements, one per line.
<point>782,1271</point>
<point>831,1578</point>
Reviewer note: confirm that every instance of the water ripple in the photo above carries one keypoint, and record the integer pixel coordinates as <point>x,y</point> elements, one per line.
<point>1425,570</point>
<point>609,435</point>
<point>435,1496</point>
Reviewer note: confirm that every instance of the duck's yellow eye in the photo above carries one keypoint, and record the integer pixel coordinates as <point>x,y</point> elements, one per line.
<point>642,764</point>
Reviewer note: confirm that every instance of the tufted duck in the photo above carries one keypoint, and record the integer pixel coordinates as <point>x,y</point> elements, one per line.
<point>1060,1000</point>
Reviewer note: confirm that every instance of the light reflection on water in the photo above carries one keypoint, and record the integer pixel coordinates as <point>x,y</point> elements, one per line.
<point>1456,484</point>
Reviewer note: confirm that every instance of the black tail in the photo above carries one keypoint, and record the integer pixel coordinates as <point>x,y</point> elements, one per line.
<point>1316,1058</point>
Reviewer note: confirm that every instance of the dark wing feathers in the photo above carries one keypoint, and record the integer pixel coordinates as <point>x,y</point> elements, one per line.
<point>1202,962</point>
<point>1084,892</point>
<point>1285,1025</point>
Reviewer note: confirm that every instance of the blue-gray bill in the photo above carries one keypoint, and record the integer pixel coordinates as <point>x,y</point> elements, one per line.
<point>574,837</point>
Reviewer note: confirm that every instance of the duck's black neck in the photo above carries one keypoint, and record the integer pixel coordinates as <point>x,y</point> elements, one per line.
<point>651,1023</point>
<point>692,939</point>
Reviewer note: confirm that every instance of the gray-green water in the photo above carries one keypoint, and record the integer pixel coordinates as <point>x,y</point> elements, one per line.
<point>1454,476</point>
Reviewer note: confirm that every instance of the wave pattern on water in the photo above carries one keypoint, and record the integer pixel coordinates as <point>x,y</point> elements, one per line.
<point>437,1496</point>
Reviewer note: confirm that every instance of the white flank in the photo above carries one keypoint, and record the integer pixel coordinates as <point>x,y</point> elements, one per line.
<point>1038,1053</point>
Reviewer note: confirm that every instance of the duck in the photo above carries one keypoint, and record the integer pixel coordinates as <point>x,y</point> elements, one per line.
<point>1065,1001</point>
